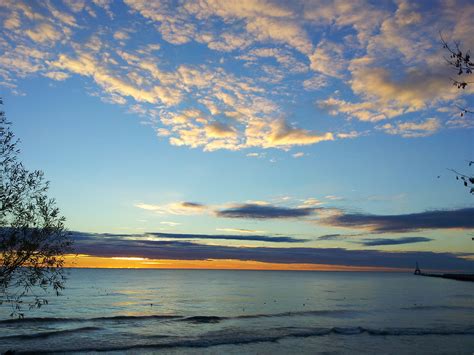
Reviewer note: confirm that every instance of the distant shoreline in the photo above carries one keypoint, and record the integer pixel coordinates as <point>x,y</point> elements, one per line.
<point>401,271</point>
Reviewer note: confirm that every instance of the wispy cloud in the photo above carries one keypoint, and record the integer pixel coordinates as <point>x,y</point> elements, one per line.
<point>412,129</point>
<point>239,230</point>
<point>169,223</point>
<point>177,208</point>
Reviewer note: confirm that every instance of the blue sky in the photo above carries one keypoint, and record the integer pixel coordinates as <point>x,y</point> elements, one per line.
<point>159,116</point>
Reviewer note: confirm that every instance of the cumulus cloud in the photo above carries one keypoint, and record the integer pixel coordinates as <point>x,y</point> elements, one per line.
<point>219,130</point>
<point>282,134</point>
<point>44,33</point>
<point>57,75</point>
<point>86,64</point>
<point>387,60</point>
<point>385,89</point>
<point>328,59</point>
<point>419,87</point>
<point>264,28</point>
<point>361,15</point>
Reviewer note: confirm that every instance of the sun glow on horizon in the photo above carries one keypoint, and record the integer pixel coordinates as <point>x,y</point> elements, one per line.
<point>87,261</point>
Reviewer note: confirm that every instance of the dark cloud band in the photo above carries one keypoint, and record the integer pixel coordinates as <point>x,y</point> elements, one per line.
<point>396,241</point>
<point>256,238</point>
<point>441,219</point>
<point>114,246</point>
<point>254,211</point>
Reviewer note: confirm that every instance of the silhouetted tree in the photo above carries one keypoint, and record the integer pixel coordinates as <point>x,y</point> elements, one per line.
<point>33,240</point>
<point>466,180</point>
<point>463,65</point>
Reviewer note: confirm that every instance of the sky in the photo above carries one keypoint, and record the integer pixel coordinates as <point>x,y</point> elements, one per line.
<point>247,134</point>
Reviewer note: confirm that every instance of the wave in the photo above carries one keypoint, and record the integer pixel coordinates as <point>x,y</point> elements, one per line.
<point>440,307</point>
<point>67,320</point>
<point>49,334</point>
<point>330,312</point>
<point>270,335</point>
<point>203,319</point>
<point>217,319</point>
<point>191,319</point>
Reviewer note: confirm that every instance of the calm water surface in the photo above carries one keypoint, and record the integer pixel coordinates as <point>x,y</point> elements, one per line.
<point>203,311</point>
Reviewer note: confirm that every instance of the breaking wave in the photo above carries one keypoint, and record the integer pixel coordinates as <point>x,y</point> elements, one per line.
<point>270,335</point>
<point>191,319</point>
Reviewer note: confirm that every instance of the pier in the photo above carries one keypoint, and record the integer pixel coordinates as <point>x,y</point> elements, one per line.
<point>458,277</point>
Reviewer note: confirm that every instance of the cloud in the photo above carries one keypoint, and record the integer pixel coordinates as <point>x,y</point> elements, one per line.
<point>417,89</point>
<point>349,135</point>
<point>438,219</point>
<point>64,17</point>
<point>402,70</point>
<point>316,82</point>
<point>284,135</point>
<point>412,129</point>
<point>257,155</point>
<point>256,238</point>
<point>155,238</point>
<point>258,211</point>
<point>57,75</point>
<point>176,208</point>
<point>265,28</point>
<point>333,198</point>
<point>331,237</point>
<point>44,33</point>
<point>239,230</point>
<point>386,60</point>
<point>86,64</point>
<point>328,59</point>
<point>363,111</point>
<point>121,35</point>
<point>219,130</point>
<point>311,202</point>
<point>298,155</point>
<point>170,223</point>
<point>360,15</point>
<point>116,246</point>
<point>398,241</point>
<point>281,56</point>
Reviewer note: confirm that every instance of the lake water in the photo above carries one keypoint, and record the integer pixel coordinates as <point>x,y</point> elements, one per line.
<point>279,312</point>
